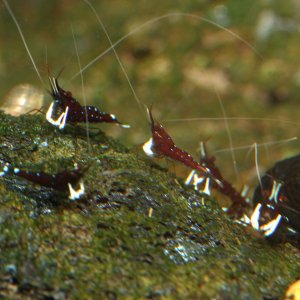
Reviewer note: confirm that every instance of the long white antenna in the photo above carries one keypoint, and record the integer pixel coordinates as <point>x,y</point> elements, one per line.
<point>83,90</point>
<point>116,54</point>
<point>207,119</point>
<point>159,18</point>
<point>229,135</point>
<point>270,143</point>
<point>23,39</point>
<point>257,165</point>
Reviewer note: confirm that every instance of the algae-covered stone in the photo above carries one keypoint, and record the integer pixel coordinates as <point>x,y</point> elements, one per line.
<point>138,233</point>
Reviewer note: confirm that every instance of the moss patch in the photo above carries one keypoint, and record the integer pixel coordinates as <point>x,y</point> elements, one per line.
<point>106,246</point>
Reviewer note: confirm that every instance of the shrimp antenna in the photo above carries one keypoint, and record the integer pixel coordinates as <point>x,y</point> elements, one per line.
<point>150,116</point>
<point>112,46</point>
<point>257,165</point>
<point>83,90</point>
<point>162,17</point>
<point>23,40</point>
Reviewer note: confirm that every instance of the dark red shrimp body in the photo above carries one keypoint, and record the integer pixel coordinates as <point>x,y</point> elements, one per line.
<point>276,202</point>
<point>238,200</point>
<point>62,181</point>
<point>68,110</point>
<point>161,144</point>
<point>57,181</point>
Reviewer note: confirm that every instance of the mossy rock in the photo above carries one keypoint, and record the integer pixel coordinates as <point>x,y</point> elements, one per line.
<point>108,245</point>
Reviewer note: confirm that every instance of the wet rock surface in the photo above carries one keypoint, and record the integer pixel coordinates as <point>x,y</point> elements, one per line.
<point>137,233</point>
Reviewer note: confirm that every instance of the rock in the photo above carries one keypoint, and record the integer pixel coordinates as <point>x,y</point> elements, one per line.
<point>108,245</point>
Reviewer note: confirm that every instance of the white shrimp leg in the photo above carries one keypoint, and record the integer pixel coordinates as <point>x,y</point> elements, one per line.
<point>61,120</point>
<point>74,195</point>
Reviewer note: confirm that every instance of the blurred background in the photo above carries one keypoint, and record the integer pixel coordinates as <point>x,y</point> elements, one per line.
<point>177,60</point>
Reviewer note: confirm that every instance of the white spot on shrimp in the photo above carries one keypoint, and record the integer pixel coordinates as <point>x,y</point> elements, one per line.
<point>147,147</point>
<point>44,144</point>
<point>76,194</point>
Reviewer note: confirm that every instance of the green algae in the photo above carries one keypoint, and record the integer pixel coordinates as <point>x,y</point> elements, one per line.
<point>108,245</point>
